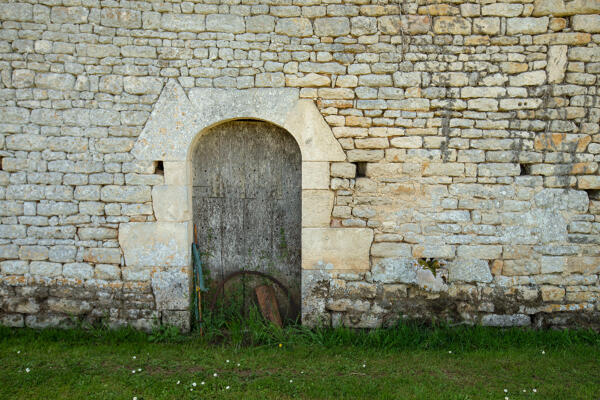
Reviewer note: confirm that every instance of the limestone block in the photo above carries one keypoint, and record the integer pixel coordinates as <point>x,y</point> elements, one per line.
<point>96,233</point>
<point>469,270</point>
<point>121,18</point>
<point>296,27</point>
<point>16,11</point>
<point>225,23</point>
<point>552,293</point>
<point>363,26</point>
<point>62,253</point>
<point>142,84</point>
<point>315,284</point>
<point>336,26</point>
<point>125,194</point>
<point>315,175</point>
<point>260,24</point>
<point>107,272</point>
<point>343,170</point>
<point>589,54</point>
<point>308,80</point>
<point>69,15</point>
<point>9,251</point>
<point>560,8</point>
<point>588,182</point>
<point>532,78</point>
<point>102,255</point>
<point>583,265</point>
<point>316,208</point>
<point>407,79</point>
<point>14,267</point>
<point>12,320</point>
<point>156,244</point>
<point>55,81</point>
<point>486,25</point>
<point>557,63</point>
<point>391,249</point>
<point>112,84</point>
<point>20,305</point>
<point>33,253</point>
<point>22,78</point>
<point>452,25</point>
<point>23,142</point>
<point>78,271</point>
<point>171,290</point>
<point>171,203</point>
<point>506,320</point>
<point>69,306</point>
<point>527,26</point>
<point>343,248</point>
<point>586,23</point>
<point>395,270</point>
<point>270,79</point>
<point>44,268</point>
<point>177,173</point>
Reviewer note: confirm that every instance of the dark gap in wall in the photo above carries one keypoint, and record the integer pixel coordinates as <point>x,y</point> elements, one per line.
<point>361,169</point>
<point>247,120</point>
<point>593,194</point>
<point>160,168</point>
<point>1,167</point>
<point>525,169</point>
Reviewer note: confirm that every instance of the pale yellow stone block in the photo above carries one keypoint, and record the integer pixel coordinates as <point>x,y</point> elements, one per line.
<point>336,248</point>
<point>315,175</point>
<point>172,203</point>
<point>177,173</point>
<point>316,208</point>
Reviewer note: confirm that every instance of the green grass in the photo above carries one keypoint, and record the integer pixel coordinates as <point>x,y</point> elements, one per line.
<point>406,362</point>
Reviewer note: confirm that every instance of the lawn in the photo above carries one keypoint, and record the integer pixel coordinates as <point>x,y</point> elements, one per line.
<point>417,363</point>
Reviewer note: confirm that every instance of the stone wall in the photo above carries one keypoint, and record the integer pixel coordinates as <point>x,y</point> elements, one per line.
<point>470,131</point>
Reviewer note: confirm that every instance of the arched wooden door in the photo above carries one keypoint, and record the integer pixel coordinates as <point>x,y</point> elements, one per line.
<point>247,200</point>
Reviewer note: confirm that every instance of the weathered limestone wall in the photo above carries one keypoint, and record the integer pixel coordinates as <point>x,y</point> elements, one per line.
<point>470,131</point>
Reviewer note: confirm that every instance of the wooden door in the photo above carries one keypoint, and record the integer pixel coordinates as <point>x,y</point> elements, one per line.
<point>247,201</point>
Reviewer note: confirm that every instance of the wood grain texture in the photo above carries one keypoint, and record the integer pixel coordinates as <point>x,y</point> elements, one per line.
<point>247,200</point>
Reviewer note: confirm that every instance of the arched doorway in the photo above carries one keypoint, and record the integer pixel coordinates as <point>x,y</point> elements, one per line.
<point>246,190</point>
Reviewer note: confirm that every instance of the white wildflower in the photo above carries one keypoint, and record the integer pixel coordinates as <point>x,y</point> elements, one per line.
<point>139,370</point>
<point>202,383</point>
<point>133,357</point>
<point>291,381</point>
<point>534,390</point>
<point>133,371</point>
<point>27,370</point>
<point>227,361</point>
<point>194,384</point>
<point>238,364</point>
<point>215,375</point>
<point>524,390</point>
<point>505,390</point>
<point>134,398</point>
<point>364,365</point>
<point>19,352</point>
<point>450,352</point>
<point>227,388</point>
<point>543,352</point>
<point>178,382</point>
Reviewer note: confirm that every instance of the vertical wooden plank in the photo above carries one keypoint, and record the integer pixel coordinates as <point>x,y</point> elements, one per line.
<point>256,168</point>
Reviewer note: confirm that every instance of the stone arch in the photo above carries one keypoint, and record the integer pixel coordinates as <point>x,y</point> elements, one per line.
<point>175,124</point>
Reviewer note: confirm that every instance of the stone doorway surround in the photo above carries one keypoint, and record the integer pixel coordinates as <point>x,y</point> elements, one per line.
<point>170,134</point>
